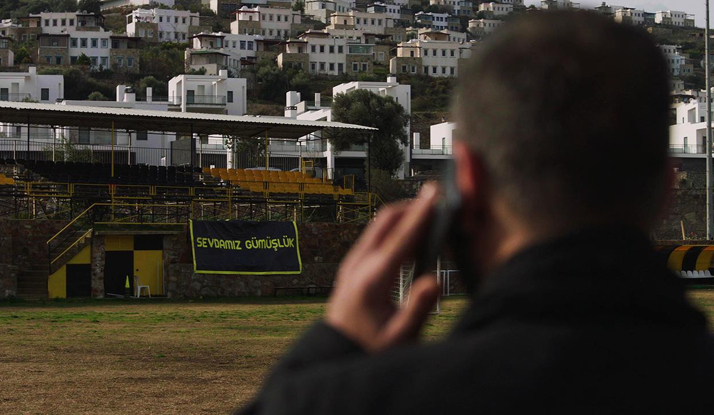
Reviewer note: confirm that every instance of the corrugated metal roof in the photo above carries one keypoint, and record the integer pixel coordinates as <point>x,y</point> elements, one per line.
<point>169,121</point>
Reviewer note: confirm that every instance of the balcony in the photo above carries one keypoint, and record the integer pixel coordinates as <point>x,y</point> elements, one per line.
<point>199,100</point>
<point>298,147</point>
<point>15,97</point>
<point>675,149</point>
<point>433,151</point>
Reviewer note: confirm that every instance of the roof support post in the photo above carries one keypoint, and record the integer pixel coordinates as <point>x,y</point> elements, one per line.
<point>193,149</point>
<point>27,156</point>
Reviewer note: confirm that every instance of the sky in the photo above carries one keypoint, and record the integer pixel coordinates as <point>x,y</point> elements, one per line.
<point>695,7</point>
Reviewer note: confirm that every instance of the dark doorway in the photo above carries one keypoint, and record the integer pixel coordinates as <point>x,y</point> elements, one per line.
<point>117,266</point>
<point>79,280</point>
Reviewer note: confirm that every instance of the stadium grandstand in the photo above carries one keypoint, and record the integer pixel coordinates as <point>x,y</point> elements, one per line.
<point>129,190</point>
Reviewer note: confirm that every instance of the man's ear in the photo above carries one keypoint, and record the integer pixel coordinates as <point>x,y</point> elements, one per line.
<point>470,178</point>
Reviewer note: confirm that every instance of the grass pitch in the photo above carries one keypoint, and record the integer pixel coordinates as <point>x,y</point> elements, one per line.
<point>159,357</point>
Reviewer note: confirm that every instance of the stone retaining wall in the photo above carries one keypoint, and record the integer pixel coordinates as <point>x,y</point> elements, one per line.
<point>322,247</point>
<point>22,243</point>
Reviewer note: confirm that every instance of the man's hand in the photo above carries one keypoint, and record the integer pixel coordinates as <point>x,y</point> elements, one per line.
<point>361,307</point>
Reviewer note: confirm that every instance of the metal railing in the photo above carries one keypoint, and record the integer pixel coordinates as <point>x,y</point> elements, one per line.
<point>198,100</point>
<point>15,97</point>
<point>433,151</point>
<point>56,150</point>
<point>687,149</point>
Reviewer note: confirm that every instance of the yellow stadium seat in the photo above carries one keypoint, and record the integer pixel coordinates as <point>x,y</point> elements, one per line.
<point>207,170</point>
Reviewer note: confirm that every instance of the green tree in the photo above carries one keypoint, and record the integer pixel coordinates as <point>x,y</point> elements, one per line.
<point>22,55</point>
<point>163,61</point>
<point>273,82</point>
<point>382,112</point>
<point>158,89</point>
<point>97,96</point>
<point>299,6</point>
<point>83,60</point>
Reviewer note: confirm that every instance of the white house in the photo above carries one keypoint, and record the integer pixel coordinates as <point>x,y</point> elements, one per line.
<point>431,54</point>
<point>322,9</point>
<point>111,4</point>
<point>631,16</point>
<point>436,21</point>
<point>392,11</point>
<point>456,7</point>
<point>269,22</point>
<point>676,60</point>
<point>674,18</point>
<point>495,8</point>
<point>482,27</point>
<point>96,45</point>
<point>172,25</point>
<point>216,51</point>
<point>376,23</point>
<point>29,86</point>
<point>558,4</point>
<point>688,134</point>
<point>217,94</point>
<point>318,148</point>
<point>55,23</point>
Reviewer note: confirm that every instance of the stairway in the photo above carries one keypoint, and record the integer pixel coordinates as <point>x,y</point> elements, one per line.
<point>32,283</point>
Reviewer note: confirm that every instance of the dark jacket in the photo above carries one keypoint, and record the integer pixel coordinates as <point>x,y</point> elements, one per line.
<point>591,323</point>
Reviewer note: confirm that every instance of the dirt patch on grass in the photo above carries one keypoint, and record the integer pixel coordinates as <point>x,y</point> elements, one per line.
<point>150,358</point>
<point>160,358</point>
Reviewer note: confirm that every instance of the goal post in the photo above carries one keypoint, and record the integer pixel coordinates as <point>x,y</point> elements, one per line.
<point>404,283</point>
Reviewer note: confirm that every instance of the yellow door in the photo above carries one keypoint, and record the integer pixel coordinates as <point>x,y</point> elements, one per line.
<point>148,266</point>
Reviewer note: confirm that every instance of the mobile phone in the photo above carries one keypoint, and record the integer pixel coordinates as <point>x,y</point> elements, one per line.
<point>442,224</point>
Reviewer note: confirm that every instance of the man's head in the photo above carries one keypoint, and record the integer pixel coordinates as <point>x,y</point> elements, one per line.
<point>565,118</point>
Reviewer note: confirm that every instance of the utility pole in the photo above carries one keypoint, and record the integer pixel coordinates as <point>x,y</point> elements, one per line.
<point>710,218</point>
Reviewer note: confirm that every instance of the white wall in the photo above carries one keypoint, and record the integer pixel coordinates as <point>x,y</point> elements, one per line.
<point>173,24</point>
<point>441,135</point>
<point>211,85</point>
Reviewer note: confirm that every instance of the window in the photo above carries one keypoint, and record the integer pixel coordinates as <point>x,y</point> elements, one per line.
<point>443,70</point>
<point>313,48</point>
<point>183,36</point>
<point>94,60</point>
<point>54,22</point>
<point>230,96</point>
<point>58,60</point>
<point>71,22</point>
<point>183,20</point>
<point>105,43</point>
<point>379,22</point>
<point>263,18</point>
<point>45,94</point>
<point>142,33</point>
<point>340,49</point>
<point>312,67</point>
<point>242,45</point>
<point>332,67</point>
<point>105,61</point>
<point>380,56</point>
<point>340,67</point>
<point>332,49</point>
<point>64,22</point>
<point>142,136</point>
<point>433,69</point>
<point>130,62</point>
<point>452,53</point>
<point>404,68</point>
<point>47,22</point>
<point>83,42</point>
<point>355,67</point>
<point>72,60</point>
<point>372,22</point>
<point>151,33</point>
<point>120,61</point>
<point>426,70</point>
<point>365,66</point>
<point>322,48</point>
<point>411,53</point>
<point>443,52</point>
<point>73,42</point>
<point>452,71</point>
<point>250,45</point>
<point>161,35</point>
<point>413,68</point>
<point>161,19</point>
<point>95,43</point>
<point>175,19</point>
